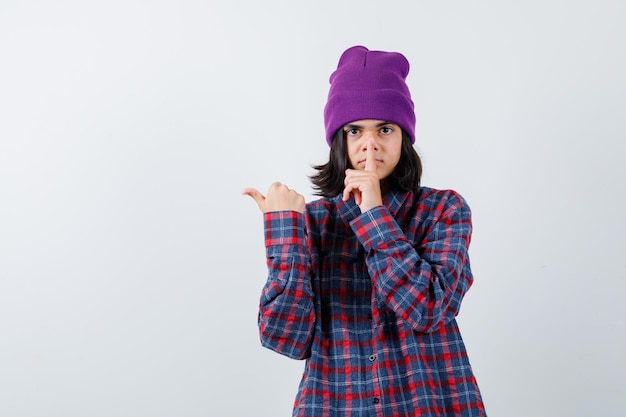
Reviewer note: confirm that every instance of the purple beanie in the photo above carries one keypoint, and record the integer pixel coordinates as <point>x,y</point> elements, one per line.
<point>369,85</point>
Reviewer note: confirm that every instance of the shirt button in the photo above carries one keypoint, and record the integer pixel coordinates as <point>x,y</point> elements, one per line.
<point>376,400</point>
<point>372,358</point>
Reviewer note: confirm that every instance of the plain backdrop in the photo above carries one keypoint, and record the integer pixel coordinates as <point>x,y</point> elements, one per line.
<point>131,266</point>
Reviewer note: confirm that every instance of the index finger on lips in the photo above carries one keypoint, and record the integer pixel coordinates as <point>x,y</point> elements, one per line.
<point>370,159</point>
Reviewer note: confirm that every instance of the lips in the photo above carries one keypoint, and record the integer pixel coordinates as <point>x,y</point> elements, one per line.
<point>378,162</point>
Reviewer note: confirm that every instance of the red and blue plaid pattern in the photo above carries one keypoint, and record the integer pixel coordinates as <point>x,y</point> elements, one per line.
<point>370,300</point>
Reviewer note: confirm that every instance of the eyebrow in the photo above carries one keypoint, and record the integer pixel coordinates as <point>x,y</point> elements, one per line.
<point>354,126</point>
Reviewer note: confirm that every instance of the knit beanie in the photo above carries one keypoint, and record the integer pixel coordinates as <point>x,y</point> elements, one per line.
<point>369,85</point>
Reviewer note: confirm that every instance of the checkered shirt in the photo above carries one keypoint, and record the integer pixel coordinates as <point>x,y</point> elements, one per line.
<point>370,300</point>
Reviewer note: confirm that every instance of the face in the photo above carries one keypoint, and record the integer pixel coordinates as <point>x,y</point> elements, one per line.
<point>387,142</point>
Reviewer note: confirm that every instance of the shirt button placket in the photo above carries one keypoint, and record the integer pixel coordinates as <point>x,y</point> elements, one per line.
<point>375,400</point>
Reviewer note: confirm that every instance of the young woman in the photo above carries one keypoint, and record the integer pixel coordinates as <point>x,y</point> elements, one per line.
<point>365,283</point>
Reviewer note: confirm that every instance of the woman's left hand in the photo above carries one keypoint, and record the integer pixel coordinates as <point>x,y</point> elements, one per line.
<point>364,184</point>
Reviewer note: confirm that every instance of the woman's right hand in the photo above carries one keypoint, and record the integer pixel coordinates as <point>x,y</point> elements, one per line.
<point>279,198</point>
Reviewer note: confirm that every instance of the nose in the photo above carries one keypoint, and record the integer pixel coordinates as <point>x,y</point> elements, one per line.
<point>370,136</point>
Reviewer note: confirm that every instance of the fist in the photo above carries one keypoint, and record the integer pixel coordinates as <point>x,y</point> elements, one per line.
<point>279,198</point>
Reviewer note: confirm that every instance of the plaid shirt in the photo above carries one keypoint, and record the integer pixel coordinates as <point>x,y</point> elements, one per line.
<point>369,300</point>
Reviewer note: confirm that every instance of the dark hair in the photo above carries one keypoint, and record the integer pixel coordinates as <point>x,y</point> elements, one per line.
<point>328,182</point>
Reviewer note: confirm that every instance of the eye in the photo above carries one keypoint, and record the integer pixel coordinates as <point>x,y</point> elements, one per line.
<point>386,130</point>
<point>352,132</point>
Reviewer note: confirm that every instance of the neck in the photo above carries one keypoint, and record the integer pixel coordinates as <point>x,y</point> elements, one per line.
<point>385,185</point>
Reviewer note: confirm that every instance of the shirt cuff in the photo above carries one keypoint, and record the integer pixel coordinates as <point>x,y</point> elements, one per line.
<point>284,228</point>
<point>375,228</point>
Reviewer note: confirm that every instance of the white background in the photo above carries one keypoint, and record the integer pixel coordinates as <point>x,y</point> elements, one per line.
<point>131,266</point>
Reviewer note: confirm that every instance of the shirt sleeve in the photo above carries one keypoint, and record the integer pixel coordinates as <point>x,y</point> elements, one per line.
<point>286,312</point>
<point>422,282</point>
